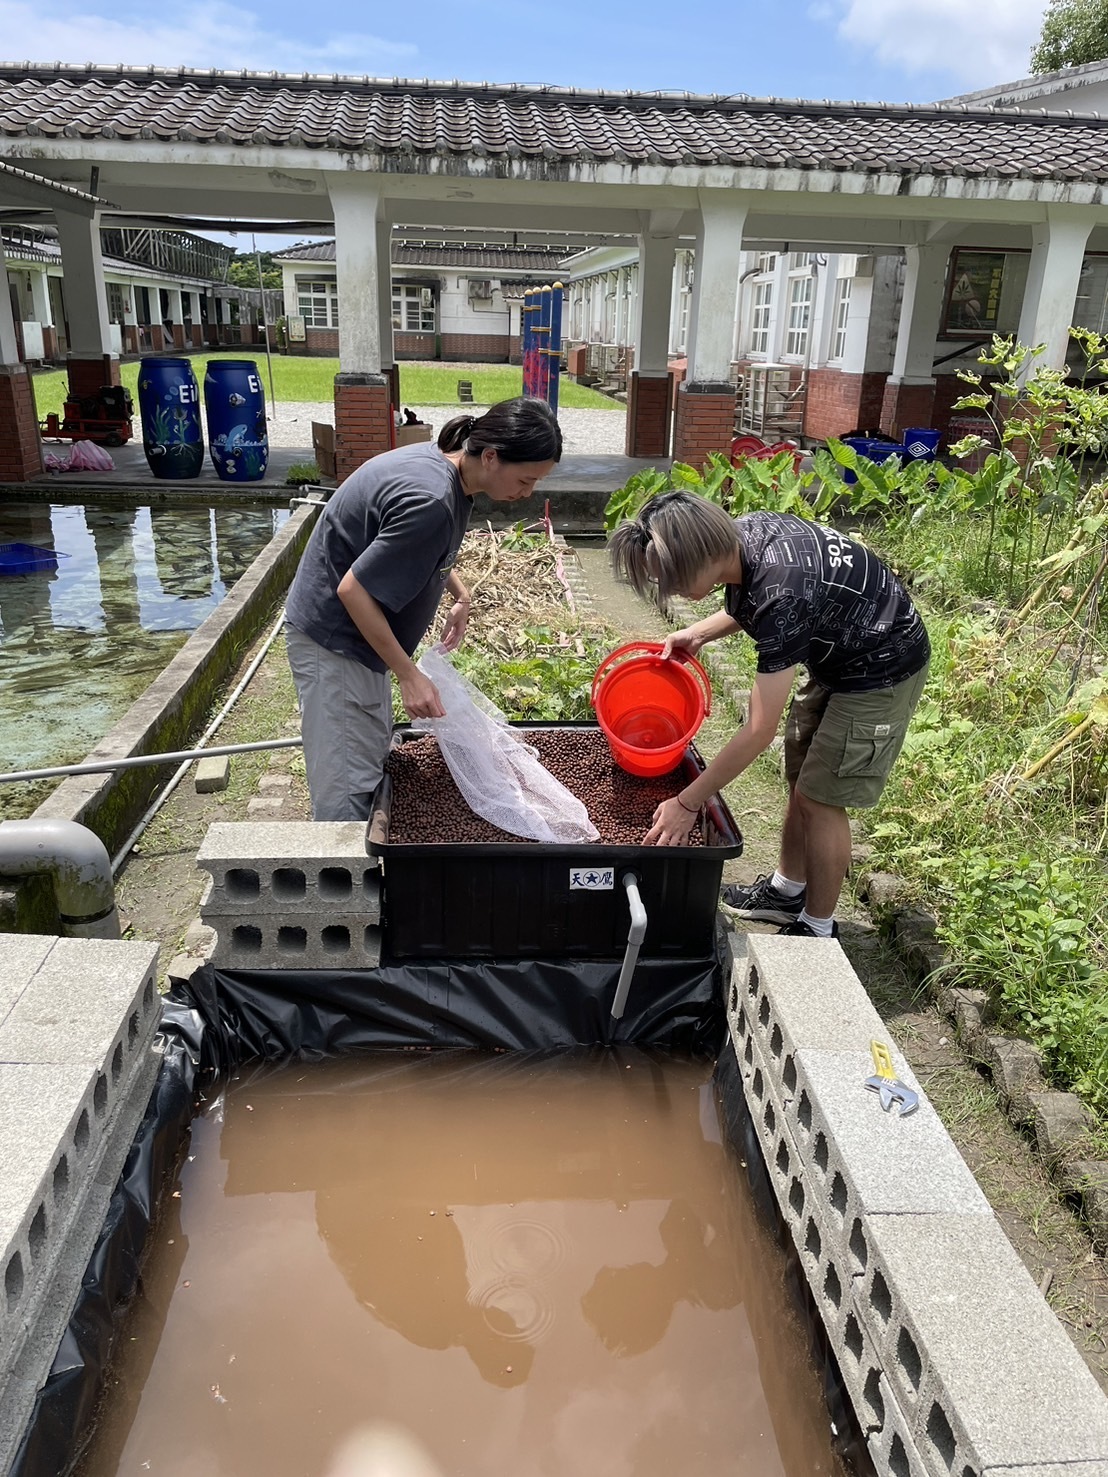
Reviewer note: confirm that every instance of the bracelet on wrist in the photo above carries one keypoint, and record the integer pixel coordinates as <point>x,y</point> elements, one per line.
<point>691,809</point>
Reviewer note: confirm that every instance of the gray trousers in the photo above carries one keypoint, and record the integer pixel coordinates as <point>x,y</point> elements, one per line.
<point>346,725</point>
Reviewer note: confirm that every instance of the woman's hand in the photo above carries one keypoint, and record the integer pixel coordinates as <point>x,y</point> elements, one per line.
<point>420,697</point>
<point>683,643</point>
<point>672,824</point>
<point>457,618</point>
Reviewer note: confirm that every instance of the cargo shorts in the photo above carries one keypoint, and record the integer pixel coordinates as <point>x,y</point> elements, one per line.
<point>841,746</point>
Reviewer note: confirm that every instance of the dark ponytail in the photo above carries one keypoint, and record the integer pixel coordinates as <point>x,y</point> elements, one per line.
<point>520,430</point>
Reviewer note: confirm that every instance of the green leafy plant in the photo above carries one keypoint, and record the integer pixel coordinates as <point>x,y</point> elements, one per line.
<point>301,473</point>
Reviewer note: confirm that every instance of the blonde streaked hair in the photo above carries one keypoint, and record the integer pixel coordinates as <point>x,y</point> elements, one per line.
<point>675,539</point>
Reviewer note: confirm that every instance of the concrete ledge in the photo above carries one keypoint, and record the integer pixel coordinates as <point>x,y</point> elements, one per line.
<point>952,1358</point>
<point>77,1019</point>
<point>172,708</point>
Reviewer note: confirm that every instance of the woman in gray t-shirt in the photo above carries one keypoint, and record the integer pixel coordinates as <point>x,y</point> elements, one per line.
<point>372,578</point>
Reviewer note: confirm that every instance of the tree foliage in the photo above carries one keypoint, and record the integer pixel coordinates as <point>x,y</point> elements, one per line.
<point>243,271</point>
<point>1074,32</point>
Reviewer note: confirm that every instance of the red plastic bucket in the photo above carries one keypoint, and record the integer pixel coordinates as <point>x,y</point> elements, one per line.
<point>649,707</point>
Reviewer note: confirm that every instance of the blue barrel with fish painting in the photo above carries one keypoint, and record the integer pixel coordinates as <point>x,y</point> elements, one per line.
<point>235,406</point>
<point>169,406</point>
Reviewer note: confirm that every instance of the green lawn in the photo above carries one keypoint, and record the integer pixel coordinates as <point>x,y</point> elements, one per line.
<point>297,378</point>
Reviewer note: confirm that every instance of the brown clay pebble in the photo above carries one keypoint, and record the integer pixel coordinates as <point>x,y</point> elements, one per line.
<point>427,807</point>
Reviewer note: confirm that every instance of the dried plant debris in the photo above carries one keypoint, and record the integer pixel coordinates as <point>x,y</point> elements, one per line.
<point>428,808</point>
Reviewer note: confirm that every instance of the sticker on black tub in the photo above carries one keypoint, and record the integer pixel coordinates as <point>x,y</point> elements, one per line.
<point>592,879</point>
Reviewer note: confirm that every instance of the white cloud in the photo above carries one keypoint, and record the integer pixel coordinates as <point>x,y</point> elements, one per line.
<point>978,43</point>
<point>209,34</point>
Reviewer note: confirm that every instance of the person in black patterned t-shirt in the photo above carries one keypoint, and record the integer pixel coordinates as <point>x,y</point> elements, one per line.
<point>807,596</point>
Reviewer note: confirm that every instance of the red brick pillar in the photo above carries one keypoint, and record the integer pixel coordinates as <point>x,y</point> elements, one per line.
<point>88,376</point>
<point>20,449</point>
<point>178,335</point>
<point>704,421</point>
<point>197,335</point>
<point>649,398</point>
<point>362,420</point>
<point>157,338</point>
<point>49,342</point>
<point>906,405</point>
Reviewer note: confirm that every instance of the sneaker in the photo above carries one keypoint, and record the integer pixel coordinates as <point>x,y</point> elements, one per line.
<point>761,902</point>
<point>804,931</point>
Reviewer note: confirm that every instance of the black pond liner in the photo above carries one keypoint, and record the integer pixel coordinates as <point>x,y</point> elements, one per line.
<point>223,1019</point>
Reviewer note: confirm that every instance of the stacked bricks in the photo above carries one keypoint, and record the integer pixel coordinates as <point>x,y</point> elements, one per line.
<point>323,341</point>
<point>648,415</point>
<point>363,420</point>
<point>839,403</point>
<point>904,406</point>
<point>953,1360</point>
<point>413,345</point>
<point>291,895</point>
<point>87,377</point>
<point>704,421</point>
<point>477,348</point>
<point>20,449</point>
<point>77,1066</point>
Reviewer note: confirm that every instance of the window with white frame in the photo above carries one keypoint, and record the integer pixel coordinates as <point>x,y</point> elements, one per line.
<point>798,259</point>
<point>115,302</point>
<point>840,314</point>
<point>760,315</point>
<point>413,308</point>
<point>800,313</point>
<point>765,261</point>
<point>317,301</point>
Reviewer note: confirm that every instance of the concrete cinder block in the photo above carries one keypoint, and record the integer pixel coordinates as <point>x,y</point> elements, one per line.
<point>887,1164</point>
<point>80,1001</point>
<point>972,1348</point>
<point>892,1448</point>
<point>297,941</point>
<point>21,954</point>
<point>266,805</point>
<point>1088,1178</point>
<point>805,994</point>
<point>213,774</point>
<point>278,866</point>
<point>275,784</point>
<point>1016,1068</point>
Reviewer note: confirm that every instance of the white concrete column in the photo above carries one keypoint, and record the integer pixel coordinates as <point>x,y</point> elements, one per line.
<point>176,307</point>
<point>716,285</point>
<point>130,317</point>
<point>40,299</point>
<point>354,200</point>
<point>650,330</point>
<point>920,310</point>
<point>384,293</point>
<point>9,343</point>
<point>1057,251</point>
<point>85,297</point>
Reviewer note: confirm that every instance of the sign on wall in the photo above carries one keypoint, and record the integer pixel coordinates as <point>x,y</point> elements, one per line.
<point>973,298</point>
<point>296,330</point>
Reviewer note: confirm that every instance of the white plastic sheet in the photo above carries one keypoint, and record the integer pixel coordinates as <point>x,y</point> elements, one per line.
<point>499,774</point>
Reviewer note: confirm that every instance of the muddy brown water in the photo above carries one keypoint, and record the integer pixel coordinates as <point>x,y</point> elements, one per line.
<point>525,1266</point>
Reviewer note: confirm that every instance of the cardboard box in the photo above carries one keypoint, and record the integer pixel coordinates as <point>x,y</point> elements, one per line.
<point>323,444</point>
<point>409,435</point>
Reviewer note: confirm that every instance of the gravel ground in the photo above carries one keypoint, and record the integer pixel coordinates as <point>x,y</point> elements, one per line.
<point>584,432</point>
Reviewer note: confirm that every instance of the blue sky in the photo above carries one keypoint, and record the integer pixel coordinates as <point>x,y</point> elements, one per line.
<point>895,50</point>
<point>878,50</point>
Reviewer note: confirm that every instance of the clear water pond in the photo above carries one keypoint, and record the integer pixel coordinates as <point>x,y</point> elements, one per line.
<point>80,642</point>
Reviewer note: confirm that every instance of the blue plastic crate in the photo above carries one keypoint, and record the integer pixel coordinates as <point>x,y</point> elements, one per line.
<point>26,558</point>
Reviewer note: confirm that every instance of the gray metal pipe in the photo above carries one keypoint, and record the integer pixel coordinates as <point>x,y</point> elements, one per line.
<point>138,761</point>
<point>77,861</point>
<point>635,936</point>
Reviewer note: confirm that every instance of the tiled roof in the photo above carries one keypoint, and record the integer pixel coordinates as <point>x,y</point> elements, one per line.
<point>481,258</point>
<point>544,124</point>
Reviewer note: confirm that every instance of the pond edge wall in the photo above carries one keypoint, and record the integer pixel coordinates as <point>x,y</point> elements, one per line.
<point>172,709</point>
<point>953,1360</point>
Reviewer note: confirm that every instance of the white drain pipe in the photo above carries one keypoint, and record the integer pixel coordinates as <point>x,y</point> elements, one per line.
<point>634,940</point>
<point>78,863</point>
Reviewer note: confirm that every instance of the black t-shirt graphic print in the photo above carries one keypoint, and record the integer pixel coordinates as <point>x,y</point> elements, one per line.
<point>814,596</point>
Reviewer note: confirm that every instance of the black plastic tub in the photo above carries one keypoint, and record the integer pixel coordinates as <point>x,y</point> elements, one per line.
<point>527,900</point>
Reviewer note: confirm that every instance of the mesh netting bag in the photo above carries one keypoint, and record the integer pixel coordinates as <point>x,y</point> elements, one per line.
<point>499,775</point>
